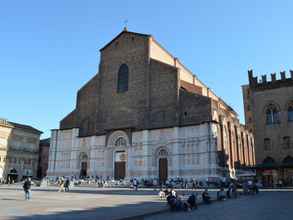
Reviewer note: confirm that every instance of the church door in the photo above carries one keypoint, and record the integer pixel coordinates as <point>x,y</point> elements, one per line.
<point>83,170</point>
<point>163,170</point>
<point>119,170</point>
<point>120,165</point>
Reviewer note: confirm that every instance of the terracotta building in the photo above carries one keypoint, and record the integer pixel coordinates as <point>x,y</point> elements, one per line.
<point>145,115</point>
<point>268,107</point>
<point>43,157</point>
<point>19,147</point>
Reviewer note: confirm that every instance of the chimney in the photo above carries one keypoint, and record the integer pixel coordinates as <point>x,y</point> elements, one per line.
<point>264,78</point>
<point>283,75</point>
<point>273,75</point>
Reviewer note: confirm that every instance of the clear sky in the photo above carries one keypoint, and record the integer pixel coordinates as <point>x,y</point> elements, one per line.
<point>49,49</point>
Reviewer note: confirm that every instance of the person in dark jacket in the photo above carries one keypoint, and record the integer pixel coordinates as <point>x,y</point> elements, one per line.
<point>221,194</point>
<point>66,185</point>
<point>27,188</point>
<point>206,197</point>
<point>192,201</point>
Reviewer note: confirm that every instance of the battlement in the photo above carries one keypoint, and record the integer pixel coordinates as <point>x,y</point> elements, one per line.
<point>3,121</point>
<point>260,83</point>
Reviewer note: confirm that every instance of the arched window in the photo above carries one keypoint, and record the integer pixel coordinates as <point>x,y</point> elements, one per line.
<point>290,112</point>
<point>120,142</point>
<point>272,115</point>
<point>122,84</point>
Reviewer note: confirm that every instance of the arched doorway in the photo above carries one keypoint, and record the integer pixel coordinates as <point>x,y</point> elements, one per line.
<point>163,165</point>
<point>118,144</point>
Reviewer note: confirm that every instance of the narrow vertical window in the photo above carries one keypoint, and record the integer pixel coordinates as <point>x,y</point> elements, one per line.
<point>122,83</point>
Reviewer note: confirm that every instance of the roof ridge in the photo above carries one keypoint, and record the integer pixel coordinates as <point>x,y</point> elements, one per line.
<point>122,32</point>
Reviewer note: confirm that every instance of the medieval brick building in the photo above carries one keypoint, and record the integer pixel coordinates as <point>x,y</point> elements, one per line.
<point>144,114</point>
<point>269,115</point>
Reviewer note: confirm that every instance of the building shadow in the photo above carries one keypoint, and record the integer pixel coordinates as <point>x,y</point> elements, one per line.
<point>125,211</point>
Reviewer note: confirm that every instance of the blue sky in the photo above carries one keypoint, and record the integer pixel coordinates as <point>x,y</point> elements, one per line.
<point>49,49</point>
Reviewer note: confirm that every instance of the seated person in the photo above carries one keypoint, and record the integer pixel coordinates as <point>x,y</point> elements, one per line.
<point>171,200</point>
<point>191,201</point>
<point>205,197</point>
<point>162,194</point>
<point>180,205</point>
<point>221,194</point>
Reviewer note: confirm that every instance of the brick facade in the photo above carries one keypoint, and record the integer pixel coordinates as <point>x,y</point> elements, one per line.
<point>166,107</point>
<point>271,150</point>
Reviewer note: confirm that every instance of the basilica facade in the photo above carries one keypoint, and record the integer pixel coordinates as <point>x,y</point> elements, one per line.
<point>145,115</point>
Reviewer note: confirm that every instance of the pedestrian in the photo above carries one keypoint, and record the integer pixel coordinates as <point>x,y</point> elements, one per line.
<point>221,195</point>
<point>135,184</point>
<point>27,188</point>
<point>193,185</point>
<point>66,185</point>
<point>61,184</point>
<point>192,201</point>
<point>173,192</point>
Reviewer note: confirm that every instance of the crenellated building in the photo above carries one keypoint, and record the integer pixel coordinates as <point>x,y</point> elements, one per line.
<point>145,115</point>
<point>268,105</point>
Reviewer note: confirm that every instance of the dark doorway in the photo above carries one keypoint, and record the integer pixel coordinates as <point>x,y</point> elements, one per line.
<point>163,170</point>
<point>119,170</point>
<point>83,170</point>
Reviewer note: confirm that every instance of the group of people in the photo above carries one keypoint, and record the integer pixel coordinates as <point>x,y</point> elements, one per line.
<point>176,202</point>
<point>63,184</point>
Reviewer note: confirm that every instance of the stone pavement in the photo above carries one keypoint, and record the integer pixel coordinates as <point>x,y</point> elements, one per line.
<point>113,204</point>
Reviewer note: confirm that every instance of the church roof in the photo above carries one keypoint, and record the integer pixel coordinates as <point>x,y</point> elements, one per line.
<point>123,32</point>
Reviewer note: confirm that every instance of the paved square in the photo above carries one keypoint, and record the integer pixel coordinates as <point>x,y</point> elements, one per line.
<point>112,204</point>
<point>80,203</point>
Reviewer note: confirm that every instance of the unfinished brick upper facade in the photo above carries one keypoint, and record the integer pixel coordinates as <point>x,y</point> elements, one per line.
<point>154,98</point>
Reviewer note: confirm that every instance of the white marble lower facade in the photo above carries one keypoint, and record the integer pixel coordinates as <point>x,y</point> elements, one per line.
<point>191,152</point>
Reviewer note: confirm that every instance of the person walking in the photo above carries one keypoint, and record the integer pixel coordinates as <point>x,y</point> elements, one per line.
<point>61,184</point>
<point>27,188</point>
<point>66,185</point>
<point>135,184</point>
